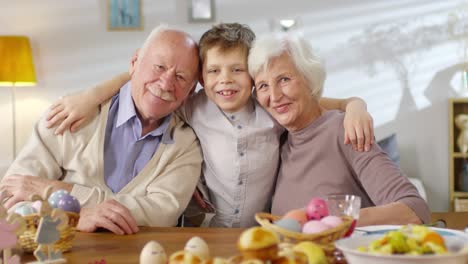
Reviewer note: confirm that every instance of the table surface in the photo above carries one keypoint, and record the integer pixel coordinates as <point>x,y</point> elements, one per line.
<point>93,247</point>
<point>453,220</point>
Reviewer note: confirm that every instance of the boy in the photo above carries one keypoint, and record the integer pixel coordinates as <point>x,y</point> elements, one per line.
<point>240,141</point>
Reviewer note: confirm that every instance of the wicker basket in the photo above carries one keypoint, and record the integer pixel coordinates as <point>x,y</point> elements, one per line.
<point>326,239</point>
<point>26,239</point>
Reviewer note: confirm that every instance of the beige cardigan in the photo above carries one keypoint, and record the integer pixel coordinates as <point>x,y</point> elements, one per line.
<point>157,196</point>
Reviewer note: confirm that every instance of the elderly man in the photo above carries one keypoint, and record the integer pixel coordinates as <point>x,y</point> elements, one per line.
<point>149,180</point>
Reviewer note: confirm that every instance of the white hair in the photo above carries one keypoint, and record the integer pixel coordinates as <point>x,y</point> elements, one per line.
<point>269,46</point>
<point>155,33</point>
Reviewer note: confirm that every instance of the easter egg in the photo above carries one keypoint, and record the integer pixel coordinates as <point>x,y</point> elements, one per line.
<point>153,253</point>
<point>316,209</point>
<point>332,220</point>
<point>299,215</point>
<point>289,224</point>
<point>55,197</point>
<point>314,226</point>
<point>25,209</point>
<point>69,203</point>
<point>37,205</point>
<point>198,247</point>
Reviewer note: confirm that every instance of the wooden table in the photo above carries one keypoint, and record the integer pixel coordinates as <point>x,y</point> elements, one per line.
<point>92,247</point>
<point>453,220</point>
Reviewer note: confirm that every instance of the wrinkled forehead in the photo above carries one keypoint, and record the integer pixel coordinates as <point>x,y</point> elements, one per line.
<point>175,49</point>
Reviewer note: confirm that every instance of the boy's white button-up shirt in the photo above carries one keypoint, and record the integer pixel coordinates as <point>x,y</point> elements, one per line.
<point>241,158</point>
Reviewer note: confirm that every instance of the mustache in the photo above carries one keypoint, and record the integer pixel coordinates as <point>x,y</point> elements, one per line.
<point>165,95</point>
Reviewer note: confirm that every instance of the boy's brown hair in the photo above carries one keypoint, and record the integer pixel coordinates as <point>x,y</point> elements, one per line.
<point>226,36</point>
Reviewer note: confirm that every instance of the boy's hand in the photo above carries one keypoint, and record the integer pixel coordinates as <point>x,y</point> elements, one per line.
<point>359,127</point>
<point>71,112</point>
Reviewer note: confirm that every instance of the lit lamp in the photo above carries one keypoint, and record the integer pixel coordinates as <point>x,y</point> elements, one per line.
<point>16,69</point>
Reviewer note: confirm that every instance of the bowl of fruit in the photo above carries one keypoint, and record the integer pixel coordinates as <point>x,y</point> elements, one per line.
<point>410,244</point>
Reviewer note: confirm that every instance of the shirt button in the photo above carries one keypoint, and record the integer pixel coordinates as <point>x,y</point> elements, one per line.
<point>233,117</point>
<point>240,182</point>
<point>236,211</point>
<point>241,154</point>
<point>239,127</point>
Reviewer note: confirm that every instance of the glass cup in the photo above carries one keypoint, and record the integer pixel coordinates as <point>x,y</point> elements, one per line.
<point>344,205</point>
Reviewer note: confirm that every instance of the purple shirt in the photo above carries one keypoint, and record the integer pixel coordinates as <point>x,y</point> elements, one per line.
<point>126,152</point>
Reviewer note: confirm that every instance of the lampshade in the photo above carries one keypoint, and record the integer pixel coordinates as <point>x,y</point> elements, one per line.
<point>16,63</point>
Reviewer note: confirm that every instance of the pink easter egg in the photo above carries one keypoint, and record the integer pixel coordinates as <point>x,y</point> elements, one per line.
<point>314,226</point>
<point>332,220</point>
<point>316,209</point>
<point>36,205</point>
<point>299,215</point>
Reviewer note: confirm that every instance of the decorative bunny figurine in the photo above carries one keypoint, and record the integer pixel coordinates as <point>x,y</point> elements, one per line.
<point>11,225</point>
<point>48,230</point>
<point>461,121</point>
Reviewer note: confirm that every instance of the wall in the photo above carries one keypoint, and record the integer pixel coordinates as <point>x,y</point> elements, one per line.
<point>398,55</point>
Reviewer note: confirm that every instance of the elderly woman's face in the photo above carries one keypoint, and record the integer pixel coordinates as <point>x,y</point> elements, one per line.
<point>283,91</point>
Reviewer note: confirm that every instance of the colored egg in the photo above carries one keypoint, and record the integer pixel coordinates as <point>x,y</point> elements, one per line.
<point>314,226</point>
<point>316,209</point>
<point>25,209</point>
<point>69,203</point>
<point>153,253</point>
<point>299,215</point>
<point>332,220</point>
<point>289,224</point>
<point>55,197</point>
<point>198,247</point>
<point>36,205</point>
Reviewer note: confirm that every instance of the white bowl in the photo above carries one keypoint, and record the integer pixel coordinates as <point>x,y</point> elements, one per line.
<point>457,246</point>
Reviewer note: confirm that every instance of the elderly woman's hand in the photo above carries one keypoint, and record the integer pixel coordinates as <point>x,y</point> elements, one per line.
<point>358,125</point>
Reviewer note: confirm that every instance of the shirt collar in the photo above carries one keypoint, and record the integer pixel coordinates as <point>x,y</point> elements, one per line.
<point>126,108</point>
<point>127,113</point>
<point>244,114</point>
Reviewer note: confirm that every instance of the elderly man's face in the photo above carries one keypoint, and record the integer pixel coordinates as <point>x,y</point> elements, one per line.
<point>163,75</point>
<point>283,91</point>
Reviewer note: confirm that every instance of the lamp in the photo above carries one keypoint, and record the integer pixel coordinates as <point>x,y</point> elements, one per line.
<point>283,25</point>
<point>16,69</point>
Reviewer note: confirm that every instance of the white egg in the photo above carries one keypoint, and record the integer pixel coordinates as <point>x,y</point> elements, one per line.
<point>198,247</point>
<point>153,253</point>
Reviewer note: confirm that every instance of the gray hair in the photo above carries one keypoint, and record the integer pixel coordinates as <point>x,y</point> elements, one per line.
<point>155,33</point>
<point>269,46</point>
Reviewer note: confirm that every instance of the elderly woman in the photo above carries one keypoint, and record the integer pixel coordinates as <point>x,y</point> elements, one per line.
<point>288,83</point>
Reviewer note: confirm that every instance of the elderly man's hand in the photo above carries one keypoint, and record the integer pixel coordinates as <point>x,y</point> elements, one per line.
<point>20,187</point>
<point>110,215</point>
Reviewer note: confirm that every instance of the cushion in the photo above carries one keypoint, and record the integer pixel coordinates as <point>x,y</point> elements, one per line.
<point>390,146</point>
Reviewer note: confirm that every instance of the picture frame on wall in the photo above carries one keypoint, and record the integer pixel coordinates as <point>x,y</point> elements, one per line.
<point>124,15</point>
<point>201,10</point>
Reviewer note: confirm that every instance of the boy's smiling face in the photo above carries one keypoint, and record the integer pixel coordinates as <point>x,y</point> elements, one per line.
<point>226,78</point>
